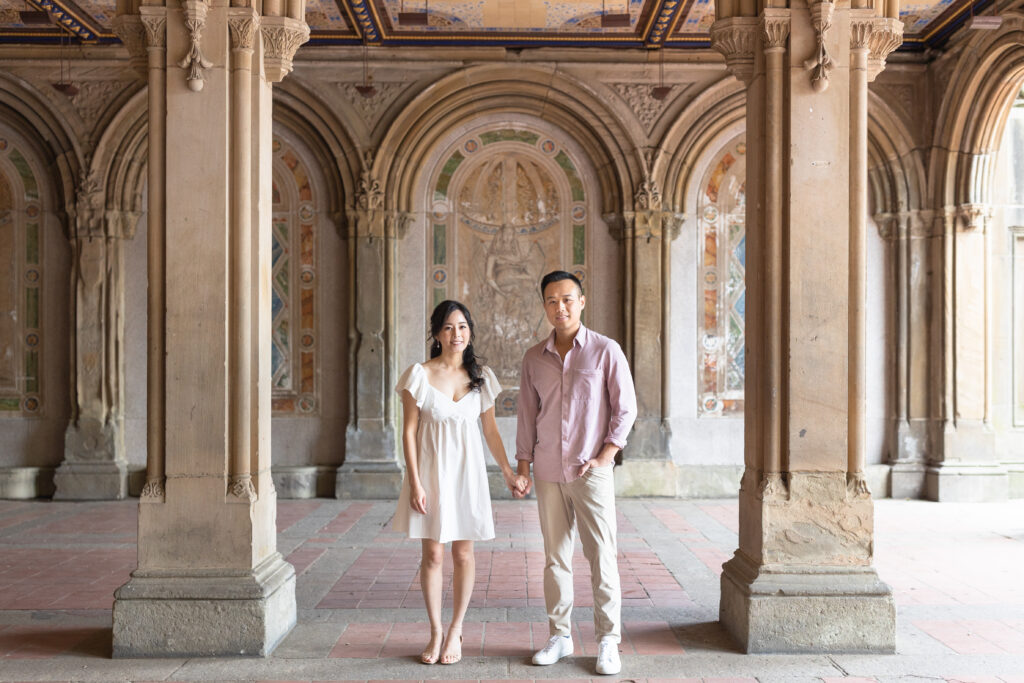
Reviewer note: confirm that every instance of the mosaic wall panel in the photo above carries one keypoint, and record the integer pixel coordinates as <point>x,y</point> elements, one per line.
<point>508,206</point>
<point>722,272</point>
<point>21,249</point>
<point>294,301</point>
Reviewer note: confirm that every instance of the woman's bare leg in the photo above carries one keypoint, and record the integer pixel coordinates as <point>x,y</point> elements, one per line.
<point>432,585</point>
<point>463,577</point>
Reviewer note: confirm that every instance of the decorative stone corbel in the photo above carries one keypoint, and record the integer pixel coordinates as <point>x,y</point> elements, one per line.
<point>282,37</point>
<point>194,61</point>
<point>154,23</point>
<point>821,63</point>
<point>647,197</point>
<point>242,23</point>
<point>620,225</point>
<point>736,39</point>
<point>129,28</point>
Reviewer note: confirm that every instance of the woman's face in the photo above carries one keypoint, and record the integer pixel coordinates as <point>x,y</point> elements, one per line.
<point>454,334</point>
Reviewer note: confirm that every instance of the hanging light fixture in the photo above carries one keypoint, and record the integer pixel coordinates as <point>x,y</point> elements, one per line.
<point>661,91</point>
<point>982,22</point>
<point>414,18</point>
<point>65,87</point>
<point>366,89</point>
<point>613,19</point>
<point>31,16</point>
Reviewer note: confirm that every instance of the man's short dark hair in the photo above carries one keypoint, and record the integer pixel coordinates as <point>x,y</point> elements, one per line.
<point>557,275</point>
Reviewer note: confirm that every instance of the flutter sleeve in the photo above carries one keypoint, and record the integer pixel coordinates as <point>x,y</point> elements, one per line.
<point>413,380</point>
<point>489,390</point>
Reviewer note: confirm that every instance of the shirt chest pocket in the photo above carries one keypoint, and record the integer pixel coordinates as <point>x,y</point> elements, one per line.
<point>587,385</point>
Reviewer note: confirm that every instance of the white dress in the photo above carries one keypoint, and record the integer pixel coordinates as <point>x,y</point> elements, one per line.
<point>452,469</point>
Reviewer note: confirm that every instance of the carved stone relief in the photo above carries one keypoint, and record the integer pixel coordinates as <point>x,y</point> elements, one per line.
<point>371,108</point>
<point>508,206</point>
<point>94,97</point>
<point>646,107</point>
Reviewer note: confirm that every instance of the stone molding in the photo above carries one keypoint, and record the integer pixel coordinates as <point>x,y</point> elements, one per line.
<point>736,38</point>
<point>282,37</point>
<point>644,225</point>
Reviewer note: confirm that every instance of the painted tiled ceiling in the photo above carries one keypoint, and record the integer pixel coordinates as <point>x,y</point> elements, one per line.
<point>651,23</point>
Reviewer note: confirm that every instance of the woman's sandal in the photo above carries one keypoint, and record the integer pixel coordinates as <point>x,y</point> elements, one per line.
<point>453,659</point>
<point>428,657</point>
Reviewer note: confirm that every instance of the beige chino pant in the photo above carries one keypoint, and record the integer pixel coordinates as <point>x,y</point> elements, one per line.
<point>589,502</point>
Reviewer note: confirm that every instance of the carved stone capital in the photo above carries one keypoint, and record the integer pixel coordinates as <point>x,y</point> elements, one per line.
<point>241,488</point>
<point>775,28</point>
<point>154,22</point>
<point>282,37</point>
<point>886,36</point>
<point>194,61</point>
<point>129,28</point>
<point>736,38</point>
<point>973,216</point>
<point>243,23</point>
<point>620,225</point>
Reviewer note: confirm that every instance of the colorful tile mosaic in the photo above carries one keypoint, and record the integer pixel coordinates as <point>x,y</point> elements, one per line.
<point>527,16</point>
<point>294,307</point>
<point>21,252</point>
<point>722,269</point>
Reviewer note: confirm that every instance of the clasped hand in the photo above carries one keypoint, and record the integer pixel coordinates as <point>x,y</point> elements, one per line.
<point>518,484</point>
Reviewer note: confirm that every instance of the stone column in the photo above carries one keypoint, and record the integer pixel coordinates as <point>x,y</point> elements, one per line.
<point>94,466</point>
<point>210,580</point>
<point>371,468</point>
<point>966,467</point>
<point>646,234</point>
<point>801,579</point>
<point>909,236</point>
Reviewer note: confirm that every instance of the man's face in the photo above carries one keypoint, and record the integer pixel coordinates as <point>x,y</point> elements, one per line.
<point>563,305</point>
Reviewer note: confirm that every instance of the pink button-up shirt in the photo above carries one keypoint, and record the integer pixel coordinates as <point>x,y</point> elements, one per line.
<point>569,410</point>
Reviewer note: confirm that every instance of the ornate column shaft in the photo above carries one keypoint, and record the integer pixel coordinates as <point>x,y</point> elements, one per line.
<point>967,468</point>
<point>94,466</point>
<point>210,580</point>
<point>801,579</point>
<point>371,468</point>
<point>646,233</point>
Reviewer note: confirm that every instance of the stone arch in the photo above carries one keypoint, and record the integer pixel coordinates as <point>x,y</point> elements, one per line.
<point>328,139</point>
<point>987,78</point>
<point>718,111</point>
<point>119,165</point>
<point>49,136</point>
<point>896,173</point>
<point>545,93</point>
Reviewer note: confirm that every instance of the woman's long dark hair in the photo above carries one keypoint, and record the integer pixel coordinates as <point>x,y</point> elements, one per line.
<point>469,358</point>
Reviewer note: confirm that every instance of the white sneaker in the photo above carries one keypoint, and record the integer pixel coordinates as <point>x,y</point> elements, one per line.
<point>608,657</point>
<point>557,647</point>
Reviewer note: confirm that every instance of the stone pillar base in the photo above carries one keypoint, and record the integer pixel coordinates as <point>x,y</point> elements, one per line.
<point>908,480</point>
<point>949,483</point>
<point>91,481</point>
<point>641,478</point>
<point>810,610</point>
<point>369,480</point>
<point>205,613</point>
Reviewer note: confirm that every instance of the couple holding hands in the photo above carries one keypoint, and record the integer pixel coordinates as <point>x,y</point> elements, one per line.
<point>576,406</point>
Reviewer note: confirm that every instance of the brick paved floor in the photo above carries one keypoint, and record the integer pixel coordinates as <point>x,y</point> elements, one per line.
<point>955,571</point>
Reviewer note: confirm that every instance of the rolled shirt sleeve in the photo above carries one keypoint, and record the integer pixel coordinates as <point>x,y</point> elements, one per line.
<point>528,406</point>
<point>621,398</point>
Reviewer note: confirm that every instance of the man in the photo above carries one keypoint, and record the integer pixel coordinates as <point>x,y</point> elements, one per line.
<point>576,406</point>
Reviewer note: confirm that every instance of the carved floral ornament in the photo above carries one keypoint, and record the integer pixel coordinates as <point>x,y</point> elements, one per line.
<point>282,37</point>
<point>736,38</point>
<point>194,61</point>
<point>821,62</point>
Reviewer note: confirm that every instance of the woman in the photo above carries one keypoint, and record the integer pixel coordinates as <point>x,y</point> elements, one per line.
<point>445,494</point>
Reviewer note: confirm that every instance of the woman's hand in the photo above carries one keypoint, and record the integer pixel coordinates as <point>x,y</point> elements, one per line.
<point>518,484</point>
<point>417,498</point>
